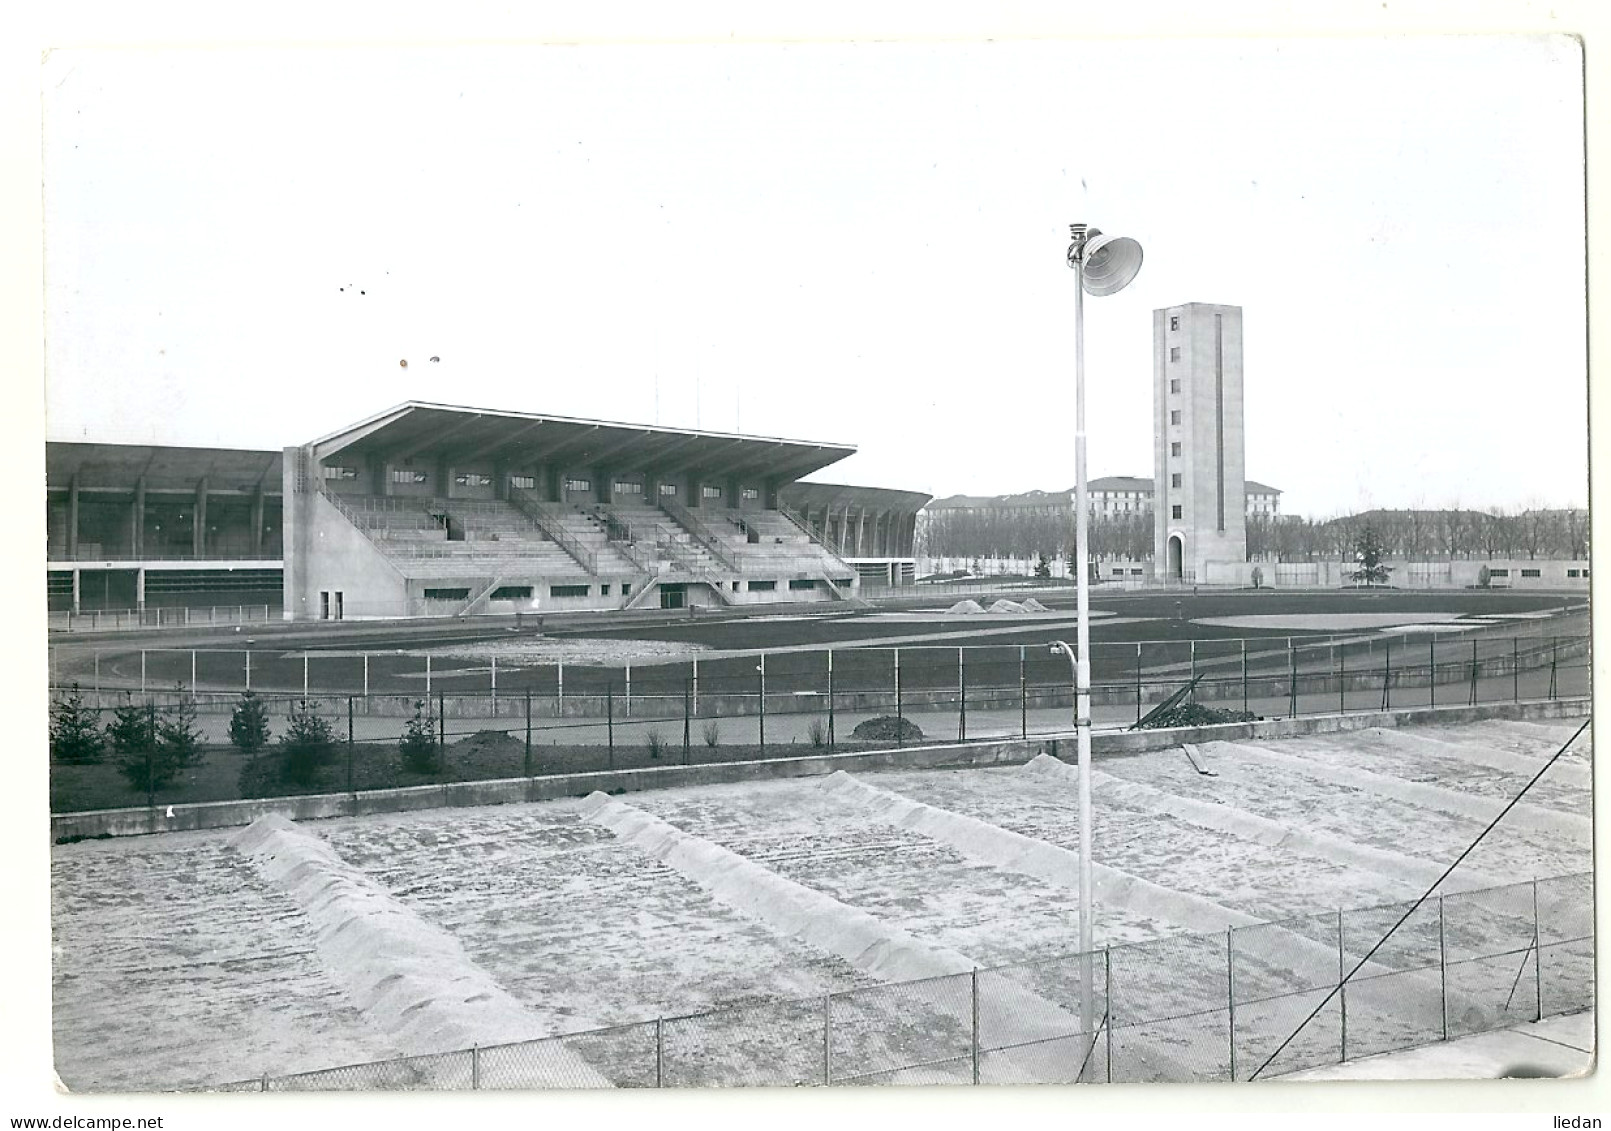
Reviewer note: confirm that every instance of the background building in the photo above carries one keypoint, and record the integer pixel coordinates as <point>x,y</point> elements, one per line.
<point>1200,504</point>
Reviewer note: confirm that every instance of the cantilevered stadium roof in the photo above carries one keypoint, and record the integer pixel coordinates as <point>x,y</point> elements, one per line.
<point>816,496</point>
<point>419,430</point>
<point>122,466</point>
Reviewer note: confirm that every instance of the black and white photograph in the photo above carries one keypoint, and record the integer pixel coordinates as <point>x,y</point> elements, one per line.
<point>1043,564</point>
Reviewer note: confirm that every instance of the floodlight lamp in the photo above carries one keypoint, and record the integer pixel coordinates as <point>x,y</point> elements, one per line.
<point>1109,263</point>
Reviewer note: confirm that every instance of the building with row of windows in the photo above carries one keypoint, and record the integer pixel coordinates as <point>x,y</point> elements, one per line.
<point>1111,496</point>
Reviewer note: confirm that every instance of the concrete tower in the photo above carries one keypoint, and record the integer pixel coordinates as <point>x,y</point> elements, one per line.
<point>1199,498</point>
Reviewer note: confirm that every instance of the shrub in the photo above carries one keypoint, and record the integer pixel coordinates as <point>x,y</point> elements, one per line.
<point>819,733</point>
<point>178,740</point>
<point>248,724</point>
<point>75,732</point>
<point>657,744</point>
<point>306,745</point>
<point>132,735</point>
<point>888,728</point>
<point>1484,578</point>
<point>713,733</point>
<point>1258,578</point>
<point>418,744</point>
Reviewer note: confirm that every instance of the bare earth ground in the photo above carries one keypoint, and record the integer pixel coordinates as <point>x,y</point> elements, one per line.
<point>178,965</point>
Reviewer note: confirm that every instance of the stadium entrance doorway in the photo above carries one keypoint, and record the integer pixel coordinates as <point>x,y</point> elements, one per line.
<point>673,596</point>
<point>1177,549</point>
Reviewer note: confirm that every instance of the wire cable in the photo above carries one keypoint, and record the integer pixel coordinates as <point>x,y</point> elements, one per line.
<point>1337,989</point>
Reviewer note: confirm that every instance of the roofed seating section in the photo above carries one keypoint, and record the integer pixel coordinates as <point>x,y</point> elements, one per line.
<point>468,538</point>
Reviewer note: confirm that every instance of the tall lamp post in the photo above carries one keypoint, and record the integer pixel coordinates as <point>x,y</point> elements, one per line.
<point>1103,265</point>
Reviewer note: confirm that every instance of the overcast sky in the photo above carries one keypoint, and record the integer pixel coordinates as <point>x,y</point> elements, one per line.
<point>859,244</point>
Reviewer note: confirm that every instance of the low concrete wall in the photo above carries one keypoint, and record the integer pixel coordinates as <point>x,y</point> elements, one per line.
<point>1000,752</point>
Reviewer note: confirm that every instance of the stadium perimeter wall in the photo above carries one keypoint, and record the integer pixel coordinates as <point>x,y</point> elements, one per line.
<point>999,752</point>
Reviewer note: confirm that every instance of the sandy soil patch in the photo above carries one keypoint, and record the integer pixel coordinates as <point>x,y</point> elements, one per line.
<point>176,967</point>
<point>1340,622</point>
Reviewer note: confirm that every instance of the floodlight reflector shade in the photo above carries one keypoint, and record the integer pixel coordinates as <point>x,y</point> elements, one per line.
<point>1110,263</point>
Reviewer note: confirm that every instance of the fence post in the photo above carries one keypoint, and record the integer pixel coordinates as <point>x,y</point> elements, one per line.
<point>1342,990</point>
<point>1473,701</point>
<point>696,686</point>
<point>1292,667</point>
<point>659,1053</point>
<point>1107,999</point>
<point>494,686</point>
<point>1443,973</point>
<point>1244,675</point>
<point>975,985</point>
<point>304,675</point>
<point>441,727</point>
<point>150,753</point>
<point>192,669</point>
<point>830,700</point>
<point>761,700</point>
<point>559,709</point>
<point>1342,679</point>
<point>1138,683</point>
<point>1515,669</point>
<point>97,679</point>
<point>1387,676</point>
<point>248,671</point>
<point>1554,656</point>
<point>1538,960</point>
<point>528,732</point>
<point>1432,670</point>
<point>349,754</point>
<point>609,717</point>
<point>1230,995</point>
<point>475,1068</point>
<point>962,698</point>
<point>1194,671</point>
<point>366,675</point>
<point>687,725</point>
<point>900,707</point>
<point>248,668</point>
<point>629,689</point>
<point>827,1039</point>
<point>427,675</point>
<point>1023,691</point>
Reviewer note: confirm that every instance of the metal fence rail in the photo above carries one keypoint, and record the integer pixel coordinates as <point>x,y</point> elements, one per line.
<point>1188,1008</point>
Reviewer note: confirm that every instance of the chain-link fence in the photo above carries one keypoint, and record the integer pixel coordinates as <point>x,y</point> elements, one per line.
<point>495,718</point>
<point>1251,1002</point>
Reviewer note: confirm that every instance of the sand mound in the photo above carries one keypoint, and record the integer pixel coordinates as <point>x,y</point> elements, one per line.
<point>1412,875</point>
<point>967,605</point>
<point>1031,605</point>
<point>1483,755</point>
<point>852,934</point>
<point>411,979</point>
<point>1009,1013</point>
<point>1524,815</point>
<point>1002,605</point>
<point>1003,848</point>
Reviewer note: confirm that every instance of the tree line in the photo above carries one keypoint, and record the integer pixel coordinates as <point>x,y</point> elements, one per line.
<point>1420,534</point>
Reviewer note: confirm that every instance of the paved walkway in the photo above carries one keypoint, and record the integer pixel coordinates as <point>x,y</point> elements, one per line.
<point>1555,1047</point>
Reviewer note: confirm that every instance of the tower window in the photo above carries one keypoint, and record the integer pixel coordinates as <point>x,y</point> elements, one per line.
<point>1174,353</point>
<point>1174,416</point>
<point>1174,321</point>
<point>1174,479</point>
<point>1174,384</point>
<point>1174,448</point>
<point>1174,511</point>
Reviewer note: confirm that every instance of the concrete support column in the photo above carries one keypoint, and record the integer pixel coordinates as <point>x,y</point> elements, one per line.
<point>72,518</point>
<point>137,518</point>
<point>77,587</point>
<point>444,474</point>
<point>139,589</point>
<point>198,533</point>
<point>257,522</point>
<point>500,479</point>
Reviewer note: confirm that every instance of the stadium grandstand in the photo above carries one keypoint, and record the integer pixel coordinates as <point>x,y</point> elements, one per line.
<point>430,509</point>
